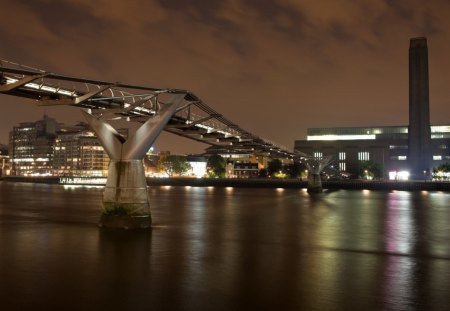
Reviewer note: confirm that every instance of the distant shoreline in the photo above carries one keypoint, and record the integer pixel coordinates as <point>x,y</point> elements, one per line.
<point>298,184</point>
<point>255,183</point>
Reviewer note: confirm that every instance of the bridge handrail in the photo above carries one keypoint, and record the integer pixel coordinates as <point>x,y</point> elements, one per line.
<point>123,95</point>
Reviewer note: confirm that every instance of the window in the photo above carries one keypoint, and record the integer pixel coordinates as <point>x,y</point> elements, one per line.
<point>342,166</point>
<point>437,157</point>
<point>318,155</point>
<point>341,156</point>
<point>363,156</point>
<point>398,146</point>
<point>400,157</point>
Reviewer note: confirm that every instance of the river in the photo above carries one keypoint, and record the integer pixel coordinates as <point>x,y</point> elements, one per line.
<point>226,249</point>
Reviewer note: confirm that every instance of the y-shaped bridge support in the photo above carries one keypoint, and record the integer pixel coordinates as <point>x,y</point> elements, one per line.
<point>315,167</point>
<point>125,199</point>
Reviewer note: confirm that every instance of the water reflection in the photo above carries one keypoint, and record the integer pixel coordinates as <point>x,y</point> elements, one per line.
<point>399,236</point>
<point>227,249</point>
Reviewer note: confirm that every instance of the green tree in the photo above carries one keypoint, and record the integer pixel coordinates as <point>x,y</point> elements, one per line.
<point>441,172</point>
<point>294,169</point>
<point>215,166</point>
<point>174,165</point>
<point>369,170</point>
<point>263,173</point>
<point>275,166</point>
<point>442,168</point>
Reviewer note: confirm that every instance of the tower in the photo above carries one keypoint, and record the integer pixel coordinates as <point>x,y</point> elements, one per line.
<point>419,133</point>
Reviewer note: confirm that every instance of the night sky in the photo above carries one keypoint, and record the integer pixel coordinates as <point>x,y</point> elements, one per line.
<point>273,67</point>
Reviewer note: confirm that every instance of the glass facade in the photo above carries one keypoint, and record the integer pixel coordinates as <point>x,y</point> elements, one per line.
<point>79,154</point>
<point>46,148</point>
<point>31,146</point>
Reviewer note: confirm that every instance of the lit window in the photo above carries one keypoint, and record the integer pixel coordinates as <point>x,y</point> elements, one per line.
<point>363,156</point>
<point>318,155</point>
<point>440,129</point>
<point>402,175</point>
<point>341,155</point>
<point>342,166</point>
<point>437,157</point>
<point>402,158</point>
<point>340,137</point>
<point>398,146</point>
<point>437,136</point>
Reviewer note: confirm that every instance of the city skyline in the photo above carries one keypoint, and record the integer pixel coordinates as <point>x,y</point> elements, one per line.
<point>275,68</point>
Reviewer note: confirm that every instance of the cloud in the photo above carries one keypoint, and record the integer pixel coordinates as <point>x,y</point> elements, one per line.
<point>273,67</point>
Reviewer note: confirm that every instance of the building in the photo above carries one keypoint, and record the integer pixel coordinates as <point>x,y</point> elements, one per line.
<point>197,166</point>
<point>398,151</point>
<point>238,169</point>
<point>419,139</point>
<point>31,147</point>
<point>353,147</point>
<point>78,152</point>
<point>240,164</point>
<point>4,160</point>
<point>47,148</point>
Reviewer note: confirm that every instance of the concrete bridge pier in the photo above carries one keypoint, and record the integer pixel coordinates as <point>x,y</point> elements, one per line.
<point>125,198</point>
<point>315,167</point>
<point>314,183</point>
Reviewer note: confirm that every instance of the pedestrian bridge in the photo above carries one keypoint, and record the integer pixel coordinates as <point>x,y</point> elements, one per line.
<point>192,119</point>
<point>125,198</point>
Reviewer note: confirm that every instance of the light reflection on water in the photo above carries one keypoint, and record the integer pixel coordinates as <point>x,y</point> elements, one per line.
<point>399,237</point>
<point>227,249</point>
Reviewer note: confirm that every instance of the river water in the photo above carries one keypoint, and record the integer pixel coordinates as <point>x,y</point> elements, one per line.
<point>226,249</point>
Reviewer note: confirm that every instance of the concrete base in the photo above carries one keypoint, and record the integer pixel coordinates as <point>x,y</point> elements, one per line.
<point>125,222</point>
<point>125,199</point>
<point>314,189</point>
<point>314,183</point>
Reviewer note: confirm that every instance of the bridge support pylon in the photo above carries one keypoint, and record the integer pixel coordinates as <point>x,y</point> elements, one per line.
<point>315,167</point>
<point>314,183</point>
<point>125,198</point>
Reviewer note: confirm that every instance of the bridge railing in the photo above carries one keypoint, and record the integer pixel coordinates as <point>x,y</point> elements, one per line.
<point>113,100</point>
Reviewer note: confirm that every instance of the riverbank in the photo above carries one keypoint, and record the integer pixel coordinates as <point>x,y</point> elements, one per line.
<point>249,183</point>
<point>296,183</point>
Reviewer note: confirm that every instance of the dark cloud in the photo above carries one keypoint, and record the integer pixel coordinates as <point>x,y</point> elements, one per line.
<point>67,19</point>
<point>275,67</point>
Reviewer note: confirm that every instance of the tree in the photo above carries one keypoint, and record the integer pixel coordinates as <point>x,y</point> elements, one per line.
<point>442,168</point>
<point>293,170</point>
<point>442,172</point>
<point>369,170</point>
<point>262,173</point>
<point>275,166</point>
<point>174,165</point>
<point>215,166</point>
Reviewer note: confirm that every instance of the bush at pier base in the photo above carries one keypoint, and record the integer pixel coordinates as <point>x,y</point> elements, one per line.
<point>315,189</point>
<point>125,216</point>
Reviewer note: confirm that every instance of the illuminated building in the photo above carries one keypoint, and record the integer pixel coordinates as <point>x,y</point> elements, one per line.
<point>4,160</point>
<point>198,166</point>
<point>400,151</point>
<point>387,146</point>
<point>31,147</point>
<point>78,152</point>
<point>240,164</point>
<point>45,148</point>
<point>238,169</point>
